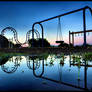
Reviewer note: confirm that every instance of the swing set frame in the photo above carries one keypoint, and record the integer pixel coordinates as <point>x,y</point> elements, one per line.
<point>42,29</point>
<point>72,34</point>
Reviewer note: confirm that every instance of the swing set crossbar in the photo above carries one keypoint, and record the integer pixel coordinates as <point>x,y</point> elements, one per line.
<point>80,32</point>
<point>86,7</point>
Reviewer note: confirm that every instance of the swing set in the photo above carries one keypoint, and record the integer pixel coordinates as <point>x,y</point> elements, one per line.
<point>75,33</point>
<point>59,25</point>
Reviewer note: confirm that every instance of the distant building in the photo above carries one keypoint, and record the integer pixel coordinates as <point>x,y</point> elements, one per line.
<point>4,43</point>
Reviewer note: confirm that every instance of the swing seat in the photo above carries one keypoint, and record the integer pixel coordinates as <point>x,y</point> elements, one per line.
<point>59,41</point>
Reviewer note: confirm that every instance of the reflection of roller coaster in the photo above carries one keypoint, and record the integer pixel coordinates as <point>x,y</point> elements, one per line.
<point>9,69</point>
<point>30,63</point>
<point>42,69</point>
<point>16,35</point>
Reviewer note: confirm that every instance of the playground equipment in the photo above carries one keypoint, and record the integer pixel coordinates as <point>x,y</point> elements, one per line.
<point>58,16</point>
<point>74,33</point>
<point>59,33</point>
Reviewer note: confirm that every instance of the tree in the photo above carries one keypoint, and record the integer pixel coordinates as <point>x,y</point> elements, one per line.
<point>17,45</point>
<point>35,44</point>
<point>4,43</point>
<point>38,43</point>
<point>45,43</point>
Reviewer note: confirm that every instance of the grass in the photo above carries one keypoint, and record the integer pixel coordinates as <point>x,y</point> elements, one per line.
<point>87,56</point>
<point>2,55</point>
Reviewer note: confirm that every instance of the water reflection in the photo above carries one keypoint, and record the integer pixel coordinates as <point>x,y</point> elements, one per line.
<point>3,60</point>
<point>10,65</point>
<point>78,61</point>
<point>61,82</point>
<point>30,60</point>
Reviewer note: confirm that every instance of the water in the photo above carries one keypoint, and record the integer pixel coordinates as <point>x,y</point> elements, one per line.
<point>44,73</point>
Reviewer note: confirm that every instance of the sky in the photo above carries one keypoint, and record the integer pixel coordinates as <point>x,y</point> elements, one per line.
<point>22,14</point>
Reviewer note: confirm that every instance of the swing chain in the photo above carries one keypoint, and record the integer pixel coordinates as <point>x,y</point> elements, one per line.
<point>59,33</point>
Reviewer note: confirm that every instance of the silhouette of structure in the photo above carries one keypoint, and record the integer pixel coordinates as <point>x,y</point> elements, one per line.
<point>30,63</point>
<point>14,32</point>
<point>29,32</point>
<point>79,32</point>
<point>59,33</point>
<point>4,60</point>
<point>4,43</point>
<point>16,35</point>
<point>42,69</point>
<point>42,29</point>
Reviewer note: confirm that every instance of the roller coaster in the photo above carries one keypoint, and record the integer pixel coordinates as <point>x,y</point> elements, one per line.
<point>16,35</point>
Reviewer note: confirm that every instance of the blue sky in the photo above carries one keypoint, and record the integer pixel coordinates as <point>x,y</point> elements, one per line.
<point>21,15</point>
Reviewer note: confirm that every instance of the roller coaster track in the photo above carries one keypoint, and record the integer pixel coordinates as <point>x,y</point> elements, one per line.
<point>16,35</point>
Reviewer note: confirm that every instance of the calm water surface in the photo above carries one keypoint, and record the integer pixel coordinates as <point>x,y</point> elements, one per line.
<point>52,72</point>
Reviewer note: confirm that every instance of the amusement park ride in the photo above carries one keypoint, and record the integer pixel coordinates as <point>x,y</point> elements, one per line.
<point>16,35</point>
<point>59,28</point>
<point>61,15</point>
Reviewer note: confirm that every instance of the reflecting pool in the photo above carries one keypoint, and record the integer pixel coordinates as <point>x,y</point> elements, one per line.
<point>45,72</point>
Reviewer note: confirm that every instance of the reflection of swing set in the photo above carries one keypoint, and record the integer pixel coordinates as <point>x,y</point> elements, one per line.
<point>30,63</point>
<point>60,81</point>
<point>85,69</point>
<point>12,69</point>
<point>42,29</point>
<point>79,63</point>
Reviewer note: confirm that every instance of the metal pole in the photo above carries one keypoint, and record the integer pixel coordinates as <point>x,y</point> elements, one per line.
<point>69,38</point>
<point>86,7</point>
<point>34,72</point>
<point>42,33</point>
<point>73,39</point>
<point>42,36</point>
<point>33,38</point>
<point>42,39</point>
<point>33,35</point>
<point>85,76</point>
<point>84,27</point>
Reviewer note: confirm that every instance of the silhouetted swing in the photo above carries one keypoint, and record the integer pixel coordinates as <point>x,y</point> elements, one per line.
<point>59,33</point>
